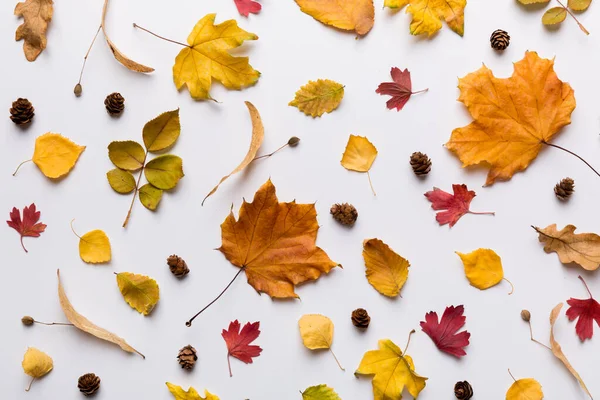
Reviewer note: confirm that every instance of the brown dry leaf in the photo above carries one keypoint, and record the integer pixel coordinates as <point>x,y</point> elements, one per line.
<point>258,134</point>
<point>36,15</point>
<point>82,323</point>
<point>579,248</point>
<point>557,350</point>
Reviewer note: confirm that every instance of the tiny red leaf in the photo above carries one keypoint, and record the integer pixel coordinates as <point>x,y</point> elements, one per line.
<point>454,205</point>
<point>400,89</point>
<point>238,343</point>
<point>245,7</point>
<point>587,311</point>
<point>29,226</point>
<point>444,333</point>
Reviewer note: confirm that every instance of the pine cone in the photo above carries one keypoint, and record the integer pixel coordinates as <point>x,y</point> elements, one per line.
<point>22,111</point>
<point>187,357</point>
<point>177,266</point>
<point>564,189</point>
<point>420,163</point>
<point>345,214</point>
<point>115,104</point>
<point>88,384</point>
<point>360,318</point>
<point>463,390</point>
<point>499,39</point>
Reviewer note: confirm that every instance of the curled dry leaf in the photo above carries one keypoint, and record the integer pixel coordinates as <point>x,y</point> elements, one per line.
<point>580,248</point>
<point>36,15</point>
<point>348,15</point>
<point>427,14</point>
<point>55,155</point>
<point>316,331</point>
<point>36,364</point>
<point>318,97</point>
<point>483,268</point>
<point>139,291</point>
<point>320,392</point>
<point>386,271</point>
<point>85,325</point>
<point>190,394</point>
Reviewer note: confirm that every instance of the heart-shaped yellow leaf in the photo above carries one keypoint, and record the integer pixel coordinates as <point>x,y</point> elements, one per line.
<point>55,155</point>
<point>94,247</point>
<point>525,389</point>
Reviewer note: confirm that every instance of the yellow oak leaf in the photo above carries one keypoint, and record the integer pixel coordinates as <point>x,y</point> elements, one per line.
<point>359,156</point>
<point>94,246</point>
<point>427,14</point>
<point>320,392</point>
<point>386,271</point>
<point>139,291</point>
<point>36,15</point>
<point>392,372</point>
<point>525,389</point>
<point>513,117</point>
<point>316,331</point>
<point>275,243</point>
<point>190,394</point>
<point>207,57</point>
<point>483,268</point>
<point>317,98</point>
<point>580,248</point>
<point>54,155</point>
<point>348,15</point>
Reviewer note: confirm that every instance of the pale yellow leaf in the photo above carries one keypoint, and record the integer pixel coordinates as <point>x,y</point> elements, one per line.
<point>139,291</point>
<point>190,394</point>
<point>386,271</point>
<point>36,363</point>
<point>316,331</point>
<point>317,98</point>
<point>55,155</point>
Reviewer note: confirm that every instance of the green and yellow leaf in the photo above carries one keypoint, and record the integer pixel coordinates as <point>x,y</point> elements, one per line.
<point>317,98</point>
<point>139,291</point>
<point>164,172</point>
<point>127,155</point>
<point>150,196</point>
<point>121,181</point>
<point>162,132</point>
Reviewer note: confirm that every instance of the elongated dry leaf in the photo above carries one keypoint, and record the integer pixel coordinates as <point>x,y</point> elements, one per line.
<point>579,248</point>
<point>258,134</point>
<point>36,15</point>
<point>84,324</point>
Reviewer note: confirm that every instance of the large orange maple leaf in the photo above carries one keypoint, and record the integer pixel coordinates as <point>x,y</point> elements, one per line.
<point>275,243</point>
<point>513,117</point>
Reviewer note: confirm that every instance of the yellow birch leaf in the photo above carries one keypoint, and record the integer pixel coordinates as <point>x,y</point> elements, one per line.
<point>127,155</point>
<point>94,247</point>
<point>359,154</point>
<point>483,268</point>
<point>316,331</point>
<point>386,271</point>
<point>150,196</point>
<point>554,16</point>
<point>349,15</point>
<point>525,389</point>
<point>190,394</point>
<point>55,155</point>
<point>317,98</point>
<point>36,16</point>
<point>139,291</point>
<point>320,392</point>
<point>580,248</point>
<point>162,132</point>
<point>36,363</point>
<point>164,171</point>
<point>121,181</point>
<point>579,5</point>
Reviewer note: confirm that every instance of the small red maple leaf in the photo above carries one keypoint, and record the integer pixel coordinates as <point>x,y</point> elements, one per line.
<point>587,311</point>
<point>238,343</point>
<point>400,89</point>
<point>29,226</point>
<point>444,333</point>
<point>245,7</point>
<point>455,205</point>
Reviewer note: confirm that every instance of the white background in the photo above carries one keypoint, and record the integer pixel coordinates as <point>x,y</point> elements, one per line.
<point>292,49</point>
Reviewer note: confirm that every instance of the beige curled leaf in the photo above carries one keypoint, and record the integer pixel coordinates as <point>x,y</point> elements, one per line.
<point>85,325</point>
<point>36,17</point>
<point>121,181</point>
<point>150,196</point>
<point>571,247</point>
<point>258,134</point>
<point>554,16</point>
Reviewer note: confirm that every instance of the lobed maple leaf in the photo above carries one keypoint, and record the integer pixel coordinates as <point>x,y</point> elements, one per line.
<point>238,343</point>
<point>29,225</point>
<point>586,312</point>
<point>455,205</point>
<point>400,89</point>
<point>444,333</point>
<point>245,7</point>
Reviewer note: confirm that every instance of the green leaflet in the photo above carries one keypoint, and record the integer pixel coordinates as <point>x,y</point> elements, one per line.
<point>121,181</point>
<point>150,196</point>
<point>128,155</point>
<point>320,392</point>
<point>162,132</point>
<point>165,171</point>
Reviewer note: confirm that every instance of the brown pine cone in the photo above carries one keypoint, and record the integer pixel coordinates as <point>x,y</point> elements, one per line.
<point>463,390</point>
<point>345,214</point>
<point>115,104</point>
<point>360,318</point>
<point>187,357</point>
<point>564,189</point>
<point>420,163</point>
<point>500,39</point>
<point>22,111</point>
<point>88,384</point>
<point>178,266</point>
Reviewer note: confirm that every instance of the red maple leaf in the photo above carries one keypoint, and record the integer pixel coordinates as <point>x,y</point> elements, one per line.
<point>245,7</point>
<point>455,205</point>
<point>238,343</point>
<point>587,311</point>
<point>443,333</point>
<point>400,89</point>
<point>29,226</point>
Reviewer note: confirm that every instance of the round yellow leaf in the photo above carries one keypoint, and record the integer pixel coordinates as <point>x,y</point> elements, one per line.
<point>94,247</point>
<point>128,155</point>
<point>525,389</point>
<point>359,154</point>
<point>316,331</point>
<point>139,291</point>
<point>121,181</point>
<point>386,271</point>
<point>36,363</point>
<point>554,16</point>
<point>483,268</point>
<point>55,155</point>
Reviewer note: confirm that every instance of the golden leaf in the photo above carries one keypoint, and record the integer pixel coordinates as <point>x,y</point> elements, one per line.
<point>579,5</point>
<point>580,248</point>
<point>359,156</point>
<point>320,392</point>
<point>94,247</point>
<point>139,291</point>
<point>36,364</point>
<point>427,14</point>
<point>525,389</point>
<point>514,117</point>
<point>164,172</point>
<point>127,155</point>
<point>316,331</point>
<point>554,16</point>
<point>317,98</point>
<point>55,155</point>
<point>121,181</point>
<point>162,132</point>
<point>36,15</point>
<point>386,271</point>
<point>191,394</point>
<point>527,2</point>
<point>150,196</point>
<point>208,57</point>
<point>483,268</point>
<point>275,243</point>
<point>349,15</point>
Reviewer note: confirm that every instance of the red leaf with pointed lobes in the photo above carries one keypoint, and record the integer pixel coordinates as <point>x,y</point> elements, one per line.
<point>444,333</point>
<point>454,205</point>
<point>587,311</point>
<point>400,89</point>
<point>238,343</point>
<point>245,7</point>
<point>29,226</point>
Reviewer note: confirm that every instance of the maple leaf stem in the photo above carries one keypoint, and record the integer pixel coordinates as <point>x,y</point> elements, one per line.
<point>229,365</point>
<point>160,37</point>
<point>336,359</point>
<point>482,213</point>
<point>512,287</point>
<point>371,183</point>
<point>586,286</point>
<point>88,53</point>
<point>137,185</point>
<point>17,170</point>
<point>408,341</point>
<point>22,245</point>
<point>420,91</point>
<point>572,153</point>
<point>576,20</point>
<point>30,383</point>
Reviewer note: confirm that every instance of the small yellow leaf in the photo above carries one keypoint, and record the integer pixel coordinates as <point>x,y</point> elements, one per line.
<point>359,154</point>
<point>483,268</point>
<point>349,15</point>
<point>127,155</point>
<point>162,132</point>
<point>55,155</point>
<point>94,247</point>
<point>579,5</point>
<point>317,98</point>
<point>525,389</point>
<point>150,196</point>
<point>386,271</point>
<point>121,181</point>
<point>139,291</point>
<point>36,363</point>
<point>316,331</point>
<point>191,394</point>
<point>554,16</point>
<point>164,171</point>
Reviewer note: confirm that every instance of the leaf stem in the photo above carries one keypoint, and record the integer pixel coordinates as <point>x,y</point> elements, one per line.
<point>17,170</point>
<point>576,20</point>
<point>160,37</point>
<point>189,323</point>
<point>371,183</point>
<point>572,153</point>
<point>420,91</point>
<point>512,287</point>
<point>586,286</point>
<point>22,245</point>
<point>88,53</point>
<point>533,340</point>
<point>73,230</point>
<point>408,342</point>
<point>137,185</point>
<point>482,213</point>
<point>30,383</point>
<point>270,154</point>
<point>229,365</point>
<point>511,375</point>
<point>336,359</point>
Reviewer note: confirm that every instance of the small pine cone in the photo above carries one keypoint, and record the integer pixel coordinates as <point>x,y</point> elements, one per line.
<point>500,39</point>
<point>360,318</point>
<point>88,384</point>
<point>463,390</point>
<point>345,214</point>
<point>420,163</point>
<point>22,111</point>
<point>115,104</point>
<point>178,266</point>
<point>187,357</point>
<point>564,189</point>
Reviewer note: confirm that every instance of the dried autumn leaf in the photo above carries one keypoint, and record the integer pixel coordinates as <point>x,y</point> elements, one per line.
<point>36,15</point>
<point>164,172</point>
<point>150,196</point>
<point>94,246</point>
<point>580,248</point>
<point>36,364</point>
<point>238,342</point>
<point>513,117</point>
<point>483,268</point>
<point>400,89</point>
<point>386,271</point>
<point>445,333</point>
<point>318,97</point>
<point>427,14</point>
<point>127,155</point>
<point>85,325</point>
<point>348,15</point>
<point>525,389</point>
<point>139,291</point>
<point>247,7</point>
<point>359,156</point>
<point>453,206</point>
<point>320,392</point>
<point>579,5</point>
<point>29,226</point>
<point>121,181</point>
<point>586,312</point>
<point>54,155</point>
<point>190,394</point>
<point>316,331</point>
<point>258,134</point>
<point>554,16</point>
<point>162,132</point>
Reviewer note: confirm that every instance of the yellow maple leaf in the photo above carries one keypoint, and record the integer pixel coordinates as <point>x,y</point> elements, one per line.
<point>36,364</point>
<point>580,248</point>
<point>36,15</point>
<point>483,268</point>
<point>54,155</point>
<point>427,14</point>
<point>525,389</point>
<point>359,156</point>
<point>349,15</point>
<point>139,291</point>
<point>514,117</point>
<point>386,271</point>
<point>316,331</point>
<point>318,98</point>
<point>207,57</point>
<point>190,394</point>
